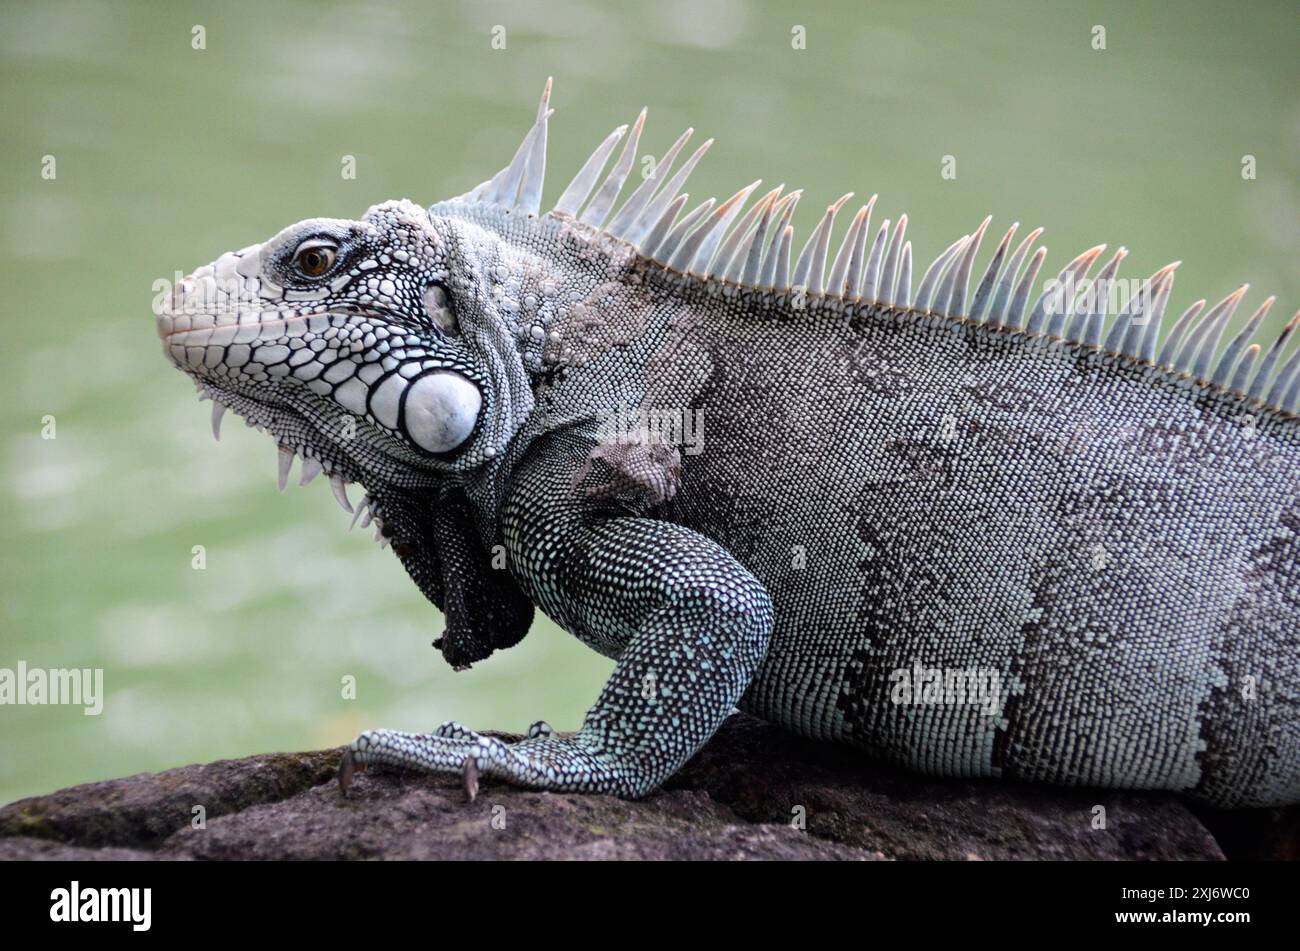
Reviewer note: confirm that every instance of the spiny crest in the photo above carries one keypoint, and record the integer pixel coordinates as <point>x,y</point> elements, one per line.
<point>754,249</point>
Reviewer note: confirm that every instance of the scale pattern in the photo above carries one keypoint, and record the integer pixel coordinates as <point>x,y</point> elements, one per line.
<point>784,481</point>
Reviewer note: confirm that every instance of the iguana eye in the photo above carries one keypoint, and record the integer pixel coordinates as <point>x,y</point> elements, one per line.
<point>314,258</point>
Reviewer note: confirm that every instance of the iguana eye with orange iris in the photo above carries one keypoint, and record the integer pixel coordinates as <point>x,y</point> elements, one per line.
<point>314,260</point>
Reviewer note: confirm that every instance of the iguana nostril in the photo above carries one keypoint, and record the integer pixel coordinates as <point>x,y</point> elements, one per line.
<point>250,261</point>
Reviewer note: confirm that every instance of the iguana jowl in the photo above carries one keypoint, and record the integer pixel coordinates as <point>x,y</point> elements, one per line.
<point>945,479</point>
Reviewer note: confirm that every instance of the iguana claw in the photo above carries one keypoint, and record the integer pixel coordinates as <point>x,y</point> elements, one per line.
<point>469,775</point>
<point>347,767</point>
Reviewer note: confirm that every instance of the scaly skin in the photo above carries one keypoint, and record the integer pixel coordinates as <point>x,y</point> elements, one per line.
<point>879,486</point>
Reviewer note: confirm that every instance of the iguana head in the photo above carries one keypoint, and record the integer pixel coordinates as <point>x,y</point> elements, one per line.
<point>380,351</point>
<point>366,347</point>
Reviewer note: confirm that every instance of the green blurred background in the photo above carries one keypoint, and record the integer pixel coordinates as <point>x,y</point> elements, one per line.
<point>167,156</point>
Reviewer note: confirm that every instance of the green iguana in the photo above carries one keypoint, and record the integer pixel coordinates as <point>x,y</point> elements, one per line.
<point>988,532</point>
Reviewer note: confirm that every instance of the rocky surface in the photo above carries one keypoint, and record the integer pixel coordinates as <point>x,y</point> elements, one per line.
<point>753,792</point>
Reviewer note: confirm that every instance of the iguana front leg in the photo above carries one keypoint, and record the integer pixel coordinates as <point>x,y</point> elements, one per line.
<point>687,622</point>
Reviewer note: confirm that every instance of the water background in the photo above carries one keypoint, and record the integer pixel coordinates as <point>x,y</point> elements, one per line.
<point>167,156</point>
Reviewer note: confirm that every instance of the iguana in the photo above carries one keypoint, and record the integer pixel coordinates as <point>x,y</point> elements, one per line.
<point>798,486</point>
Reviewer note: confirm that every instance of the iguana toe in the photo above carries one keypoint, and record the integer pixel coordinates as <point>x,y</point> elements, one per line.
<point>540,728</point>
<point>451,730</point>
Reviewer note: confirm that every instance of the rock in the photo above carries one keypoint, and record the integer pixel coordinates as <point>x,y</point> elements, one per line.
<point>20,848</point>
<point>144,810</point>
<point>752,793</point>
<point>413,818</point>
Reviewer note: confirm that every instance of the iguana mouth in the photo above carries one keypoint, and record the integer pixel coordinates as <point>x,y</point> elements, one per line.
<point>174,331</point>
<point>368,312</point>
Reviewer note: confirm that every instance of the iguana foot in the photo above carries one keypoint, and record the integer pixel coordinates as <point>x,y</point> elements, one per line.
<point>543,760</point>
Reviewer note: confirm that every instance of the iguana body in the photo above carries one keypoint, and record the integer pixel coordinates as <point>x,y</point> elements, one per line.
<point>973,479</point>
